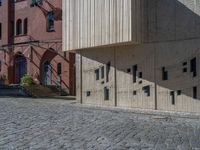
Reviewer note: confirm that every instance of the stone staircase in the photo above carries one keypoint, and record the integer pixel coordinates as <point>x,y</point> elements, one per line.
<point>40,91</point>
<point>35,91</point>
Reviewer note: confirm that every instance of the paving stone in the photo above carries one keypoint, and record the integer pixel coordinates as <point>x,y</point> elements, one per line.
<point>27,123</point>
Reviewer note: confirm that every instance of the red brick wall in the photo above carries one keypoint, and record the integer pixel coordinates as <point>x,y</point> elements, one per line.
<point>37,53</point>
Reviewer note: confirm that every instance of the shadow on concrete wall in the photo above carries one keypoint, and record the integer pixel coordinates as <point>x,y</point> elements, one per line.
<point>173,22</point>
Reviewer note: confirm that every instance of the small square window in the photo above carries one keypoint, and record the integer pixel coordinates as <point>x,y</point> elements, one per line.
<point>179,92</point>
<point>184,63</point>
<point>128,70</point>
<point>134,92</point>
<point>88,93</point>
<point>184,70</point>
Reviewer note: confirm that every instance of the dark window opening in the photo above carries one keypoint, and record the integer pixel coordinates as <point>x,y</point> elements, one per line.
<point>36,3</point>
<point>128,70</point>
<point>102,72</point>
<point>88,93</point>
<point>134,92</point>
<point>25,26</point>
<point>135,73</point>
<point>97,74</point>
<point>140,74</point>
<point>0,2</point>
<point>179,92</point>
<point>195,92</point>
<point>146,90</point>
<point>193,66</point>
<point>50,21</point>
<point>184,70</point>
<point>164,74</point>
<point>19,27</point>
<point>106,93</point>
<point>184,63</point>
<point>107,71</point>
<point>59,69</point>
<point>172,94</point>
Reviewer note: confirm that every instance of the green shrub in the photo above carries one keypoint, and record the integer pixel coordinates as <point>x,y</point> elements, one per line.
<point>27,80</point>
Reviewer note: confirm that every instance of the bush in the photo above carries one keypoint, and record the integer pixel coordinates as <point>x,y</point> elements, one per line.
<point>27,80</point>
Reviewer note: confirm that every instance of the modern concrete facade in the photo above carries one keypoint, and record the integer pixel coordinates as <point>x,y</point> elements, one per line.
<point>135,53</point>
<point>31,43</point>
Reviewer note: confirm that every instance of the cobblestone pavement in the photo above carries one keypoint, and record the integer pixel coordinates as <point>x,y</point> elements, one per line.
<point>55,124</point>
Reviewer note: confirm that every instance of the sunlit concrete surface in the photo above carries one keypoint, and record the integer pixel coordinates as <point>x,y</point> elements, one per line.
<point>57,124</point>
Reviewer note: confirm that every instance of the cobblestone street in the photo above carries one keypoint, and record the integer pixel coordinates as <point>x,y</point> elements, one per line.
<point>55,124</point>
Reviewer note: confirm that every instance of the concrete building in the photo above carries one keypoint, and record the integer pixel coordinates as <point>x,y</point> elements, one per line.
<point>31,43</point>
<point>135,53</point>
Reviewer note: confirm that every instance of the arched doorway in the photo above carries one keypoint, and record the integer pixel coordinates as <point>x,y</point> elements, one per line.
<point>46,73</point>
<point>20,67</point>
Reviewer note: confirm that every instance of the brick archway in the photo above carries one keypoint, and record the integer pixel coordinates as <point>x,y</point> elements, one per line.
<point>20,67</point>
<point>46,58</point>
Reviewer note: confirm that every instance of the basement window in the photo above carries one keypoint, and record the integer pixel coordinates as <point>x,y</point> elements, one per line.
<point>195,92</point>
<point>172,94</point>
<point>97,74</point>
<point>106,93</point>
<point>164,74</point>
<point>193,66</point>
<point>135,73</point>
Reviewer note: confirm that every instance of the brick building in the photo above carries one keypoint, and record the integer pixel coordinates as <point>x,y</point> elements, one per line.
<point>31,43</point>
<point>135,53</point>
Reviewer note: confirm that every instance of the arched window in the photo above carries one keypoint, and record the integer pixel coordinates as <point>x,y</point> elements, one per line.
<point>19,27</point>
<point>25,26</point>
<point>50,21</point>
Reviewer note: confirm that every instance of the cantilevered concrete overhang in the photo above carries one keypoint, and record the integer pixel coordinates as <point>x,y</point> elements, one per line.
<point>88,24</point>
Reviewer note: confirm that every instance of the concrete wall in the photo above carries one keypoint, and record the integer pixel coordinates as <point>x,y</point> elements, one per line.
<point>150,59</point>
<point>164,34</point>
<point>94,23</point>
